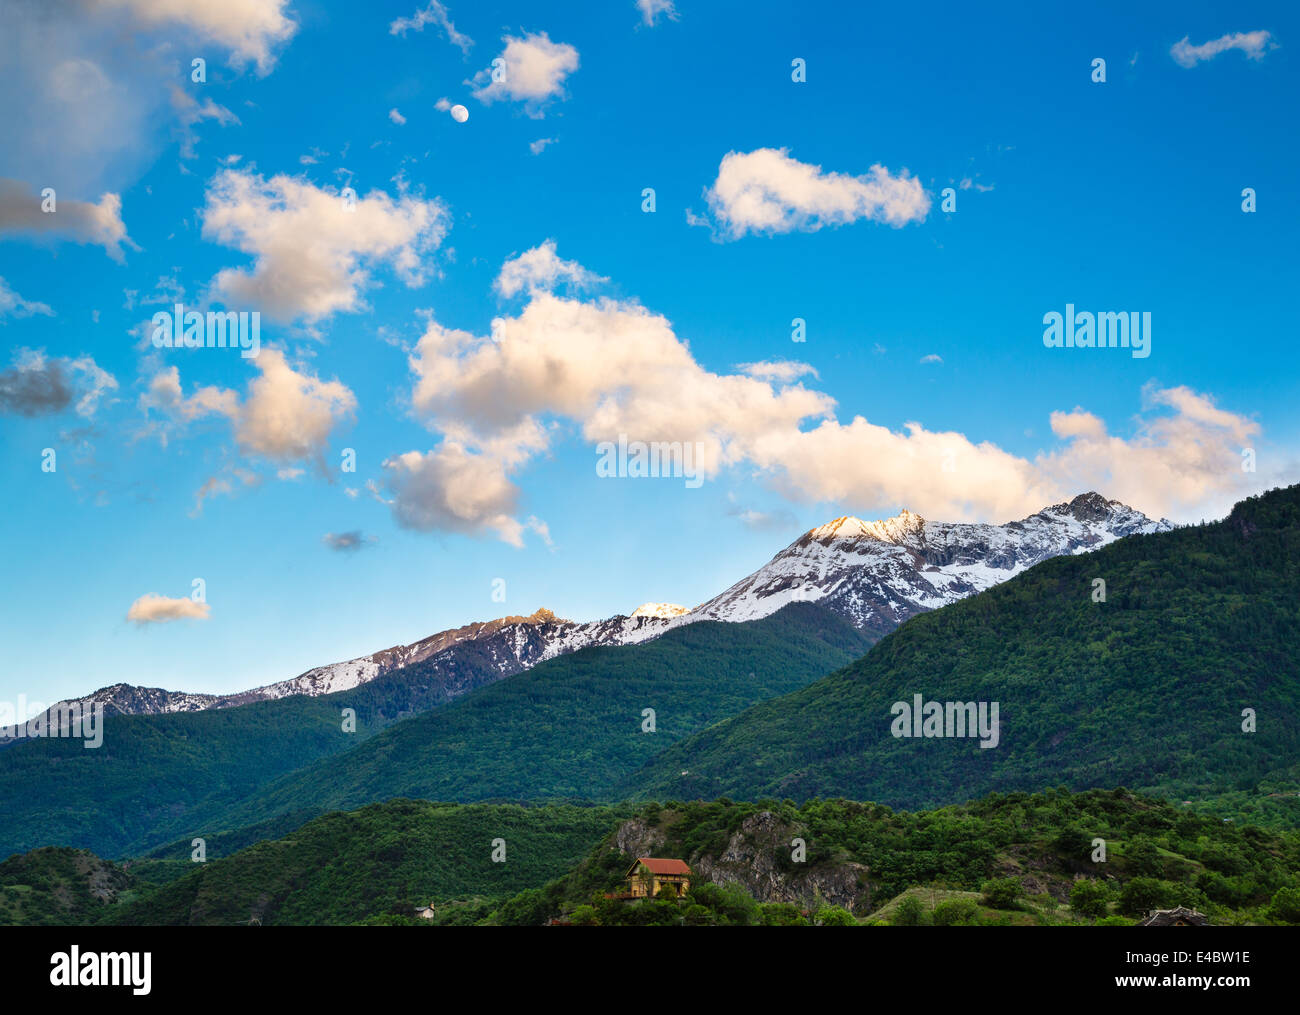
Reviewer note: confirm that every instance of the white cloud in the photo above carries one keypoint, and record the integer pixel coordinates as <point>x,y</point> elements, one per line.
<point>396,117</point>
<point>153,609</point>
<point>1184,459</point>
<point>168,291</point>
<point>164,394</point>
<point>250,29</point>
<point>533,70</point>
<point>189,112</point>
<point>781,371</point>
<point>536,147</point>
<point>454,489</point>
<point>95,382</point>
<point>613,367</point>
<point>652,9</point>
<point>931,358</point>
<point>80,221</point>
<point>1253,44</point>
<point>95,78</point>
<point>286,417</point>
<point>313,249</point>
<point>435,14</point>
<point>766,191</point>
<point>540,268</point>
<point>13,305</point>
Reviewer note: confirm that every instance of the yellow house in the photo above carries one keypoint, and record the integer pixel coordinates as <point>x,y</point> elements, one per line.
<point>649,874</point>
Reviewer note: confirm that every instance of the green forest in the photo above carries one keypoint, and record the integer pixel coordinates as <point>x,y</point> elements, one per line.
<point>1145,689</point>
<point>1007,859</point>
<point>1182,682</point>
<point>570,726</point>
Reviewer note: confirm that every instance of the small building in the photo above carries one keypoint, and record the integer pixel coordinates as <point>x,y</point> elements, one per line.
<point>1180,916</point>
<point>424,912</point>
<point>649,874</point>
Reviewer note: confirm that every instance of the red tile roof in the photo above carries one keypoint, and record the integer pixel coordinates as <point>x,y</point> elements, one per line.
<point>657,866</point>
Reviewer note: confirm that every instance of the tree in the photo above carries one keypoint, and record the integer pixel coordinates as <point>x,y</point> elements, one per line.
<point>1002,893</point>
<point>1285,905</point>
<point>834,916</point>
<point>1073,842</point>
<point>1090,898</point>
<point>1144,858</point>
<point>909,913</point>
<point>1141,895</point>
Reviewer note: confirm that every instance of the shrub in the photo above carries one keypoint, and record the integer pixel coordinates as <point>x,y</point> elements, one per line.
<point>834,916</point>
<point>1004,893</point>
<point>909,913</point>
<point>956,913</point>
<point>782,914</point>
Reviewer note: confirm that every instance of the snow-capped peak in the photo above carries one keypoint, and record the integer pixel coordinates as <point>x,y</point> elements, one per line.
<point>877,574</point>
<point>874,574</point>
<point>887,530</point>
<point>661,610</point>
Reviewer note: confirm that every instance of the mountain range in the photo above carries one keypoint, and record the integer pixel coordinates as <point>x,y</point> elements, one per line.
<point>1165,660</point>
<point>572,726</point>
<point>874,574</point>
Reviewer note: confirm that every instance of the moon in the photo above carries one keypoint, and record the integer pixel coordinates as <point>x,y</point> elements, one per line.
<point>459,113</point>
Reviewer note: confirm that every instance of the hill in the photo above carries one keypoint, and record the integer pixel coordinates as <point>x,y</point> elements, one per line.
<point>568,728</point>
<point>58,886</point>
<point>1006,859</point>
<point>378,861</point>
<point>571,727</point>
<point>155,773</point>
<point>1146,688</point>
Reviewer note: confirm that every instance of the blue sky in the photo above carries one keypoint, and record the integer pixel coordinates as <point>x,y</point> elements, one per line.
<point>474,458</point>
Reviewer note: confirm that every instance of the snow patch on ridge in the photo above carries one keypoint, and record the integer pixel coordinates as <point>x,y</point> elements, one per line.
<point>661,610</point>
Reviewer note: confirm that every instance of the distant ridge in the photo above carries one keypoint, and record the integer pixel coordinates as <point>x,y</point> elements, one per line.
<point>874,574</point>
